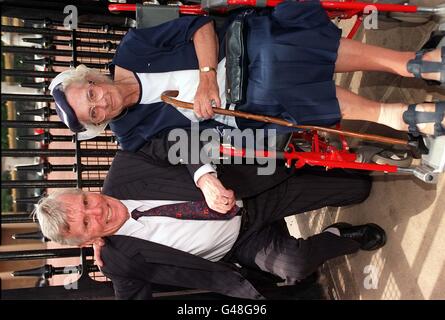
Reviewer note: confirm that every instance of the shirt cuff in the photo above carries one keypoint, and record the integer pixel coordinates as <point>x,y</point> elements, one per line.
<point>207,168</point>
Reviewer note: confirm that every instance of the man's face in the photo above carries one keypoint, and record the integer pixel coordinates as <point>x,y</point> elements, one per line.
<point>93,215</point>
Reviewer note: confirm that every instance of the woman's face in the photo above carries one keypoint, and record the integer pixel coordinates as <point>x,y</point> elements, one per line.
<point>94,102</point>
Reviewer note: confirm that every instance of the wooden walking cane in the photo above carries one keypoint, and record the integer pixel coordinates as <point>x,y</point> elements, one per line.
<point>169,97</point>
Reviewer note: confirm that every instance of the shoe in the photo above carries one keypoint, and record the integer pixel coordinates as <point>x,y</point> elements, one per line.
<point>417,66</point>
<point>412,117</point>
<point>370,236</point>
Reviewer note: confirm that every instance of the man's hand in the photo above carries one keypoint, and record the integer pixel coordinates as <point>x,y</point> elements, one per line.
<point>217,197</point>
<point>97,246</point>
<point>207,96</point>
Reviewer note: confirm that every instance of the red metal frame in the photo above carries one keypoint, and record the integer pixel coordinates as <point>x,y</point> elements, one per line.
<point>321,154</point>
<point>350,5</point>
<point>335,9</point>
<point>194,9</point>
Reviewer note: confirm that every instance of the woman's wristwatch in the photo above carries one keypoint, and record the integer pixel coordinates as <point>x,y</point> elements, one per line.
<point>207,69</point>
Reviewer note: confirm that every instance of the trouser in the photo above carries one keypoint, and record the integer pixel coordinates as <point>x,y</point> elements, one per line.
<point>266,243</point>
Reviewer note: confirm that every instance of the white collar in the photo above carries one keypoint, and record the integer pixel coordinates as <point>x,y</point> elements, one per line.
<point>131,225</point>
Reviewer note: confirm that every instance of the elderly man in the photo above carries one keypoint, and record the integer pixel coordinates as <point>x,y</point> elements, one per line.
<point>158,228</point>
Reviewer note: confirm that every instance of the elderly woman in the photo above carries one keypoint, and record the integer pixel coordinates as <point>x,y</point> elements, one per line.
<point>293,51</point>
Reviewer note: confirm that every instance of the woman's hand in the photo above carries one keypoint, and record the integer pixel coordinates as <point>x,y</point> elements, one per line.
<point>207,96</point>
<point>217,197</point>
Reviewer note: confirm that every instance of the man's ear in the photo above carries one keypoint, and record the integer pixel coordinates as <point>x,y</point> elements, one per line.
<point>99,242</point>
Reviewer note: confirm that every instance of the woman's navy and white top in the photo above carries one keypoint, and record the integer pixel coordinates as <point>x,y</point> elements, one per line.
<point>186,82</point>
<point>291,49</point>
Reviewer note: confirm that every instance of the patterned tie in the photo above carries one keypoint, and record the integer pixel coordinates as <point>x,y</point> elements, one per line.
<point>197,210</point>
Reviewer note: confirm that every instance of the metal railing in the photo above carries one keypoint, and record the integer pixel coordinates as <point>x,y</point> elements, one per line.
<point>54,47</point>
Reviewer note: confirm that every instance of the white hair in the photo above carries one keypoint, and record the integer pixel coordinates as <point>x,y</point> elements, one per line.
<point>82,74</point>
<point>52,215</point>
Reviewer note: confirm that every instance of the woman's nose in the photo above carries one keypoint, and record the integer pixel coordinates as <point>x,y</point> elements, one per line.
<point>101,103</point>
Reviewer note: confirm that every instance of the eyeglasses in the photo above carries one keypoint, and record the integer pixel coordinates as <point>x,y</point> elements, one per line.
<point>95,94</point>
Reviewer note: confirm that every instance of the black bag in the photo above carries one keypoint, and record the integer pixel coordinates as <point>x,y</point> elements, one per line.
<point>236,60</point>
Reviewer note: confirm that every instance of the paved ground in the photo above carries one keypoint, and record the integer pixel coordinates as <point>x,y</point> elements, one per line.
<point>412,264</point>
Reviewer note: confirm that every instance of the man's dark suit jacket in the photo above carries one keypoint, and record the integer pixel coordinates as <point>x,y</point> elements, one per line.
<point>132,264</point>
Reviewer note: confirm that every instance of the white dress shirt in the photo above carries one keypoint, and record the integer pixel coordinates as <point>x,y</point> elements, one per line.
<point>208,239</point>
